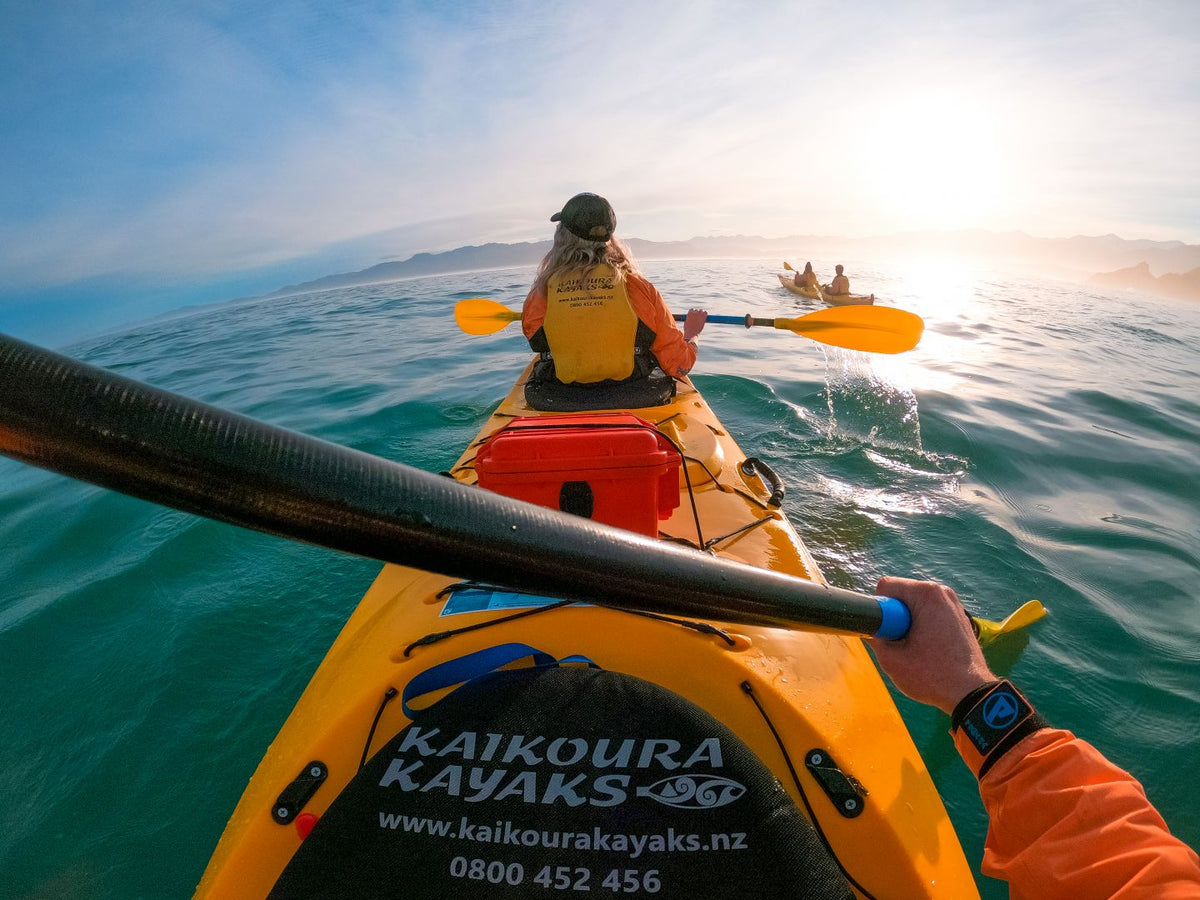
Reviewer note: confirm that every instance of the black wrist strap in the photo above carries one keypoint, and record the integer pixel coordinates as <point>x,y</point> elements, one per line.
<point>994,718</point>
<point>966,703</point>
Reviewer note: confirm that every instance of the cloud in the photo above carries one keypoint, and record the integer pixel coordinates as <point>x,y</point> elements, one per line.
<point>213,140</point>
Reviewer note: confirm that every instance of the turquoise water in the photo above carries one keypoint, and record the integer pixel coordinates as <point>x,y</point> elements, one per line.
<point>1041,442</point>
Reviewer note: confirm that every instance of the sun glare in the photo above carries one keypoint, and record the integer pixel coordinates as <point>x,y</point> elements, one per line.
<point>937,161</point>
<point>947,298</point>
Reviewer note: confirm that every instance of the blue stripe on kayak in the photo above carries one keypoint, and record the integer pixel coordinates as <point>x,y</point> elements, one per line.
<point>471,600</point>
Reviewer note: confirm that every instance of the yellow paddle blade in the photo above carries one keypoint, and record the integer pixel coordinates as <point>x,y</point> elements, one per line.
<point>787,265</point>
<point>872,329</point>
<point>479,315</point>
<point>1027,614</point>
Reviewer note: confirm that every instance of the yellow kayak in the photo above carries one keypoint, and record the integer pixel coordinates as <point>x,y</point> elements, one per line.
<point>832,299</point>
<point>461,739</point>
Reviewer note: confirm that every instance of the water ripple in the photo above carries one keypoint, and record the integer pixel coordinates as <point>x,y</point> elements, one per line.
<point>1041,442</point>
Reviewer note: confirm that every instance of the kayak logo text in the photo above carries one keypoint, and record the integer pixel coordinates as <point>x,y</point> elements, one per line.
<point>573,771</point>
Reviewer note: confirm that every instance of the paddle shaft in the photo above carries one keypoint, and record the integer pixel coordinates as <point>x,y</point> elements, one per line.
<point>746,320</point>
<point>88,423</point>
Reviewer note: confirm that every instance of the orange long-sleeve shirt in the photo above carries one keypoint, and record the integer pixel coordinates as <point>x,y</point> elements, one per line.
<point>675,355</point>
<point>1067,823</point>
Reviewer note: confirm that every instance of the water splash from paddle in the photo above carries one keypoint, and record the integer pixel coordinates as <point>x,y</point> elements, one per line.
<point>863,405</point>
<point>879,418</point>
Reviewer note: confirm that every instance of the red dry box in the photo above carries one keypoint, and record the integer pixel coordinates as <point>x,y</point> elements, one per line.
<point>610,467</point>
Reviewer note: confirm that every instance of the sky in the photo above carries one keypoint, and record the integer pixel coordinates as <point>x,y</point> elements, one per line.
<point>155,155</point>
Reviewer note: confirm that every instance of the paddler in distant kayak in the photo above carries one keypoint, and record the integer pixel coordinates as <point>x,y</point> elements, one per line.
<point>606,338</point>
<point>807,278</point>
<point>1063,820</point>
<point>840,284</point>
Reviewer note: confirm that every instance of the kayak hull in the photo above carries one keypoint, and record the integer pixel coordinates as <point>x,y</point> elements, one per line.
<point>831,299</point>
<point>814,689</point>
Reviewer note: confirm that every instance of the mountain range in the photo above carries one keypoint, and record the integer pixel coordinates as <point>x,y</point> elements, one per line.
<point>1076,258</point>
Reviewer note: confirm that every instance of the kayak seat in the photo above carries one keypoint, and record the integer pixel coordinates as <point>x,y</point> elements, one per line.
<point>568,778</point>
<point>545,393</point>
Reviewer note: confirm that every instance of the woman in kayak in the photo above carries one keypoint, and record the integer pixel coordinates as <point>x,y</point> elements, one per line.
<point>1063,820</point>
<point>606,338</point>
<point>807,278</point>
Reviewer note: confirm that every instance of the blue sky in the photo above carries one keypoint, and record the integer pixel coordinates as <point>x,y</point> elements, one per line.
<point>162,154</point>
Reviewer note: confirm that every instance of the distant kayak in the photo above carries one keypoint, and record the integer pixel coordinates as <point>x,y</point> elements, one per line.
<point>831,299</point>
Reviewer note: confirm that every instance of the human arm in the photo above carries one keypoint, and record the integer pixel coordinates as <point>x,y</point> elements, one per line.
<point>1064,821</point>
<point>1067,823</point>
<point>675,353</point>
<point>533,316</point>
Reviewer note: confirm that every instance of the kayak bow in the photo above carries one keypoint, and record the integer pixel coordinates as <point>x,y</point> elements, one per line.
<point>809,706</point>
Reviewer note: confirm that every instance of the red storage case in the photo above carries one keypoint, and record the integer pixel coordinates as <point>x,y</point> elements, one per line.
<point>610,467</point>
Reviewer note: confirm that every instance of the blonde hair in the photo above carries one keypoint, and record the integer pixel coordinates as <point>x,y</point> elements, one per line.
<point>570,253</point>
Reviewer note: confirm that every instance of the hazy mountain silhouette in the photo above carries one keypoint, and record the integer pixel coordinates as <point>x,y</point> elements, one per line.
<point>1139,277</point>
<point>1075,258</point>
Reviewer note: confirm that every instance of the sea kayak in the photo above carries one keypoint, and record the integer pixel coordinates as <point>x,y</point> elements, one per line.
<point>832,299</point>
<point>462,739</point>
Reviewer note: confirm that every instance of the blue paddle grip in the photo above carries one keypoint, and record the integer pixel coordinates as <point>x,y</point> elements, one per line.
<point>896,619</point>
<point>716,320</point>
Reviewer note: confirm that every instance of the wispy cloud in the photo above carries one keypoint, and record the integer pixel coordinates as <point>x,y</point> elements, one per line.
<point>213,139</point>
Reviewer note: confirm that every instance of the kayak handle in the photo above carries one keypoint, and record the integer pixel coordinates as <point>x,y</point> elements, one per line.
<point>752,465</point>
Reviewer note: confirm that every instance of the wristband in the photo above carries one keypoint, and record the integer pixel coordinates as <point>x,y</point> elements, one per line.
<point>990,721</point>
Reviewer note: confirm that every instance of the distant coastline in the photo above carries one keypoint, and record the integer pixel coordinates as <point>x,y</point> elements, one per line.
<point>1150,266</point>
<point>1185,286</point>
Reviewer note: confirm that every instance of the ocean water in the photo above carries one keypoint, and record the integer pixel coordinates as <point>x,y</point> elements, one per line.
<point>1041,442</point>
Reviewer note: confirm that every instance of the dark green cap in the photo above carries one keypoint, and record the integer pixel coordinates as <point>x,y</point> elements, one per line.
<point>588,216</point>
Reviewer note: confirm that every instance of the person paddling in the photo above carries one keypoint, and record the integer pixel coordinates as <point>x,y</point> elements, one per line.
<point>1064,822</point>
<point>606,337</point>
<point>807,278</point>
<point>840,284</point>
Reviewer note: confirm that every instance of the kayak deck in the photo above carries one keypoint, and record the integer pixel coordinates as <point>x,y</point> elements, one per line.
<point>786,694</point>
<point>832,299</point>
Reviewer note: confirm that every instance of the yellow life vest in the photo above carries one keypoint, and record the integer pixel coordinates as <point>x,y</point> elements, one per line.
<point>590,326</point>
